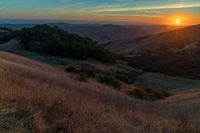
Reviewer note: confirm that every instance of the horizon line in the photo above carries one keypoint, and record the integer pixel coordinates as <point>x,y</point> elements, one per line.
<point>45,21</point>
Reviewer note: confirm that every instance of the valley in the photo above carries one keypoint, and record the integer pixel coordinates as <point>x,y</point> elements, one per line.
<point>57,81</point>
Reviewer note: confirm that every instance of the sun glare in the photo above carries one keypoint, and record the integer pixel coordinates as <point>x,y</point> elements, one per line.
<point>177,21</point>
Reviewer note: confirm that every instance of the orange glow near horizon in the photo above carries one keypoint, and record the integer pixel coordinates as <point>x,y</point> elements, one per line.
<point>171,20</point>
<point>181,20</point>
<point>177,20</point>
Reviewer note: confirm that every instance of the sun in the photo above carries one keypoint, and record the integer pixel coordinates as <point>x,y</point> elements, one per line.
<point>177,21</point>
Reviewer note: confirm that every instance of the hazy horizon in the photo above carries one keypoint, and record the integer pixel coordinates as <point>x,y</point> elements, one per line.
<point>43,21</point>
<point>81,22</point>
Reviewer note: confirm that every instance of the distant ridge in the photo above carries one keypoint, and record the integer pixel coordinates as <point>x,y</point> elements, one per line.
<point>101,33</point>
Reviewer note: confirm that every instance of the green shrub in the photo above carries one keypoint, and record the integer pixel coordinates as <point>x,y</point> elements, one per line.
<point>158,95</point>
<point>125,76</point>
<point>91,71</point>
<point>72,69</point>
<point>6,35</point>
<point>142,94</point>
<point>148,94</point>
<point>85,71</point>
<point>166,94</point>
<point>88,70</point>
<point>137,92</point>
<point>109,80</point>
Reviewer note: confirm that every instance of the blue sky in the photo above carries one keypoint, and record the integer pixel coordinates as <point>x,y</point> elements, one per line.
<point>144,11</point>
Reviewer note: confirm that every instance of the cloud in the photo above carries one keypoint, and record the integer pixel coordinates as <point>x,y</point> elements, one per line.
<point>134,15</point>
<point>175,6</point>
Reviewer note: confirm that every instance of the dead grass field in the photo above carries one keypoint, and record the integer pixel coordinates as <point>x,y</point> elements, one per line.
<point>38,98</point>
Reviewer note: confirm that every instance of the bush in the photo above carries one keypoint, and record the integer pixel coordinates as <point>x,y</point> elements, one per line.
<point>6,35</point>
<point>142,94</point>
<point>72,69</point>
<point>91,71</point>
<point>148,94</point>
<point>109,80</point>
<point>125,76</point>
<point>88,70</point>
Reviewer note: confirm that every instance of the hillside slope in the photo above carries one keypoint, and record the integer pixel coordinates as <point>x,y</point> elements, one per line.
<point>174,53</point>
<point>48,40</point>
<point>109,32</point>
<point>175,40</point>
<point>168,83</point>
<point>36,97</point>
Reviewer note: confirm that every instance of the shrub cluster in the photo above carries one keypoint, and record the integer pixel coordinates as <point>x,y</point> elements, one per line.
<point>109,80</point>
<point>149,94</point>
<point>6,35</point>
<point>126,76</point>
<point>87,71</point>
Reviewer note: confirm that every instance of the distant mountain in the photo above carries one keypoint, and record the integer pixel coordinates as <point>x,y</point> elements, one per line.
<point>16,26</point>
<point>109,32</point>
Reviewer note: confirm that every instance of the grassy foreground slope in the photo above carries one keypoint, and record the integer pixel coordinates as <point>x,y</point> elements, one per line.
<point>36,97</point>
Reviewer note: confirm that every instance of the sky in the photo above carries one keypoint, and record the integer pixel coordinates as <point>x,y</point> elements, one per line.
<point>125,11</point>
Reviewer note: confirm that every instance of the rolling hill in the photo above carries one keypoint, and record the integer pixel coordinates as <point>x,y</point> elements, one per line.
<point>36,97</point>
<point>174,53</point>
<point>177,40</point>
<point>45,39</point>
<point>82,96</point>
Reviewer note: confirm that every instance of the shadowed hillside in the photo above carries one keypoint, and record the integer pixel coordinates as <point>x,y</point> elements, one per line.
<point>174,53</point>
<point>49,40</point>
<point>55,41</point>
<point>180,64</point>
<point>180,39</point>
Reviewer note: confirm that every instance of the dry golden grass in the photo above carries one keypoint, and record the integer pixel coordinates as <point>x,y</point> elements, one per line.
<point>48,100</point>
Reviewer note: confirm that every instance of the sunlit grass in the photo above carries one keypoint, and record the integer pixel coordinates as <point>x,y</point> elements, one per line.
<point>50,101</point>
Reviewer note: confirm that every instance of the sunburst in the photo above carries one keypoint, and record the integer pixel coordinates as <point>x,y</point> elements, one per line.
<point>177,21</point>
